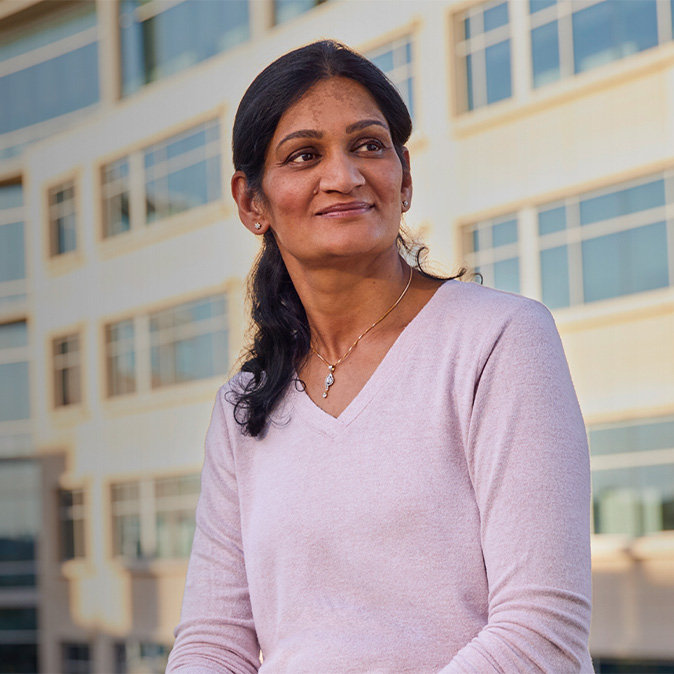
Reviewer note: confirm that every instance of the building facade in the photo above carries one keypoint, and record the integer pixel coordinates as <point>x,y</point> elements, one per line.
<point>543,157</point>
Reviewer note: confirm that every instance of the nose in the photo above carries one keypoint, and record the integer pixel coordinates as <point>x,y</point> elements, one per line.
<point>340,173</point>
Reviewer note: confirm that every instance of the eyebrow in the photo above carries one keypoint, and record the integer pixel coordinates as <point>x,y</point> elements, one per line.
<point>312,133</point>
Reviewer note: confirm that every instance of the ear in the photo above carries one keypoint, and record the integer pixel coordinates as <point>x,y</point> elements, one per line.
<point>251,212</point>
<point>406,186</point>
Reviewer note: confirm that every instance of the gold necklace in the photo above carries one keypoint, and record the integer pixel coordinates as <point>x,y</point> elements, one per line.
<point>330,379</point>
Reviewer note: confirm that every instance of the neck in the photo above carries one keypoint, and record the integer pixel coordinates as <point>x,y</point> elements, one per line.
<point>342,302</point>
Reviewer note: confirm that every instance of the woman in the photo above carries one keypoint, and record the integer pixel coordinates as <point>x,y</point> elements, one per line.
<point>397,481</point>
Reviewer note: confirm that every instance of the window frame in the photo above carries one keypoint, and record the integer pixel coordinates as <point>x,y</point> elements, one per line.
<point>55,211</point>
<point>59,398</point>
<point>147,505</point>
<point>70,515</point>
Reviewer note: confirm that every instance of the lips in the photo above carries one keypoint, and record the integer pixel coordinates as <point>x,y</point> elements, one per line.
<point>344,209</point>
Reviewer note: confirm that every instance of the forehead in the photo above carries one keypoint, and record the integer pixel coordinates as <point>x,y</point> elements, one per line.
<point>335,101</point>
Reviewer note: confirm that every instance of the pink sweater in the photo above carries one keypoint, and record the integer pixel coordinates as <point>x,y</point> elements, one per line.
<point>439,525</point>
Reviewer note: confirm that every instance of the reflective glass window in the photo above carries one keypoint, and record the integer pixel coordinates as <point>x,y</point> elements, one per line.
<point>626,262</point>
<point>14,372</point>
<point>636,499</point>
<point>76,658</point>
<point>48,71</point>
<point>20,518</point>
<point>66,366</point>
<point>11,196</point>
<point>622,202</point>
<point>121,357</point>
<point>395,60</point>
<point>284,10</point>
<point>612,30</point>
<point>189,341</point>
<point>497,59</point>
<point>492,249</point>
<point>159,39</point>
<point>545,53</point>
<point>555,277</point>
<point>126,517</point>
<point>485,54</point>
<point>22,658</point>
<point>551,220</point>
<point>62,219</point>
<point>141,656</point>
<point>537,5</point>
<point>115,193</point>
<point>183,172</point>
<point>72,519</point>
<point>12,252</point>
<point>175,505</point>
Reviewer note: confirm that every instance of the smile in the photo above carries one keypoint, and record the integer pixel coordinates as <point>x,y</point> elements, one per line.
<point>345,210</point>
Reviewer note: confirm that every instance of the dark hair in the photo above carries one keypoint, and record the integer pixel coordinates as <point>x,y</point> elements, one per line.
<point>281,336</point>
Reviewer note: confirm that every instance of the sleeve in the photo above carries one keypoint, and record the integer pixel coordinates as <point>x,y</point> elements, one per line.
<point>529,464</point>
<point>216,633</point>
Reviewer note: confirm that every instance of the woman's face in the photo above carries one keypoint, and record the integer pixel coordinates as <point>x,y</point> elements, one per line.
<point>333,184</point>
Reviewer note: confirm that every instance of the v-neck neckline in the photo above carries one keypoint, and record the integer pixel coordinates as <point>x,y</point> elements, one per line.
<point>330,426</point>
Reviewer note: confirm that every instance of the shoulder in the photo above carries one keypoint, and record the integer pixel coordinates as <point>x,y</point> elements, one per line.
<point>486,314</point>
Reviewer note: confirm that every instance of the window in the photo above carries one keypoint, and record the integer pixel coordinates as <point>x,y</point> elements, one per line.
<point>140,656</point>
<point>483,50</point>
<point>623,666</point>
<point>115,189</point>
<point>75,658</point>
<point>66,355</point>
<point>285,10</point>
<point>62,221</point>
<point>395,59</point>
<point>20,517</point>
<point>569,38</point>
<point>12,252</point>
<point>48,70</point>
<point>494,252</point>
<point>14,381</point>
<point>189,341</point>
<point>162,38</point>
<point>154,518</point>
<point>605,244</point>
<point>120,358</point>
<point>71,516</point>
<point>633,476</point>
<point>183,171</point>
<point>18,639</point>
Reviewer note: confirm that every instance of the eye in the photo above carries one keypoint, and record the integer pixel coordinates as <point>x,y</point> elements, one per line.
<point>371,145</point>
<point>302,157</point>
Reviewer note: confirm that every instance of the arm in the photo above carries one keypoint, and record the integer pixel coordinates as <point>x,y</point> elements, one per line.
<point>216,634</point>
<point>528,460</point>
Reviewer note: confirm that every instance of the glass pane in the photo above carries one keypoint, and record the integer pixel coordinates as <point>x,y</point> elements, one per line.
<point>625,262</point>
<point>188,188</point>
<point>537,5</point>
<point>634,501</point>
<point>14,391</point>
<point>13,335</point>
<point>498,71</point>
<point>611,30</point>
<point>504,233</point>
<point>40,35</point>
<point>177,37</point>
<point>469,82</point>
<point>496,17</point>
<point>552,220</point>
<point>12,254</point>
<point>545,54</point>
<point>637,437</point>
<point>622,202</point>
<point>11,196</point>
<point>384,61</point>
<point>20,657</point>
<point>555,277</point>
<point>49,89</point>
<point>507,275</point>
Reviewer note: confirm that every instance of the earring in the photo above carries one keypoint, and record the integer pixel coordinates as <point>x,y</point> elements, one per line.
<point>405,203</point>
<point>257,226</point>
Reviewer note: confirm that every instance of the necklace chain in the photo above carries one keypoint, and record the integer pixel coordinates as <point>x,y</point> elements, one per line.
<point>330,379</point>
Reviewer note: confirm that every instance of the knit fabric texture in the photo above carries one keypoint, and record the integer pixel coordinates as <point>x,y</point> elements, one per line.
<point>440,524</point>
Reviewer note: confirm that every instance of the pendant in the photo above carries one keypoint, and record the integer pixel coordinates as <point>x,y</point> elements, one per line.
<point>329,380</point>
